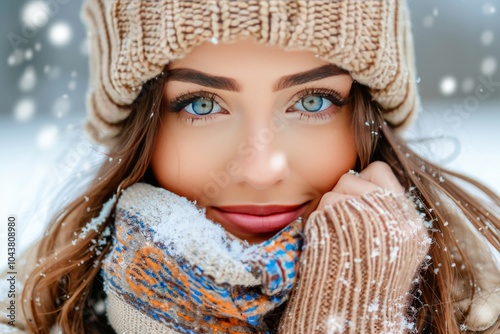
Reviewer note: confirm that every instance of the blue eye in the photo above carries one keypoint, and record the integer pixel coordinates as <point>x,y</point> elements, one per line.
<point>203,106</point>
<point>313,103</point>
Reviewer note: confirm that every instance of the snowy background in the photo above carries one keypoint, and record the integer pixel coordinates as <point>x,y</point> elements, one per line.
<point>44,64</point>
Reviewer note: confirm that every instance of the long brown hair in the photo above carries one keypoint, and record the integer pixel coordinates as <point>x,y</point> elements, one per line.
<point>66,283</point>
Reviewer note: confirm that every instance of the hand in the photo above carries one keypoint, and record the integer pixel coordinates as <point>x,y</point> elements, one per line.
<point>377,176</point>
<point>360,257</point>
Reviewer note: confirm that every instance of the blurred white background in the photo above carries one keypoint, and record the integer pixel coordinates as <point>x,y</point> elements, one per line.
<point>43,67</point>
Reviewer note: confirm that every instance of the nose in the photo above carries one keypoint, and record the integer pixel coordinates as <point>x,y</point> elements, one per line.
<point>264,163</point>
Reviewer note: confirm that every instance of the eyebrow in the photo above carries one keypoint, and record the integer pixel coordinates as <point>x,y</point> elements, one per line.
<point>217,82</point>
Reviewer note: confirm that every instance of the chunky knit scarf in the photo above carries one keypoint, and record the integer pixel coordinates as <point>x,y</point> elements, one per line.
<point>169,262</point>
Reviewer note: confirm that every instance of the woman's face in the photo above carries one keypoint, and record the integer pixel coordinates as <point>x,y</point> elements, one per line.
<point>255,134</point>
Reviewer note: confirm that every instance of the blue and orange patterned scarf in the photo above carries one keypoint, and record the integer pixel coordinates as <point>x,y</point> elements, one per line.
<point>171,263</point>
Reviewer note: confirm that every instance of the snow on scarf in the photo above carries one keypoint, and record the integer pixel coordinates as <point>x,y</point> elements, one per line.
<point>173,264</point>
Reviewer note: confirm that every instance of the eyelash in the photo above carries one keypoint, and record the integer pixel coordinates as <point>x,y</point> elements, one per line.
<point>183,100</point>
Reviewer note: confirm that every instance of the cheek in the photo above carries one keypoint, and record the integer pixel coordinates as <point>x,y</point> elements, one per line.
<point>324,155</point>
<point>182,162</point>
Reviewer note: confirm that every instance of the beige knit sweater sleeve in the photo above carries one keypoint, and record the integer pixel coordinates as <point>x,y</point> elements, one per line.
<point>358,265</point>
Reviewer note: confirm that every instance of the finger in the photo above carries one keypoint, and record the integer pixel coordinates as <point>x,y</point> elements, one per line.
<point>330,198</point>
<point>381,174</point>
<point>354,185</point>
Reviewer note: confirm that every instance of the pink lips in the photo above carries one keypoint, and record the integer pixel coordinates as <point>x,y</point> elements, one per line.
<point>259,219</point>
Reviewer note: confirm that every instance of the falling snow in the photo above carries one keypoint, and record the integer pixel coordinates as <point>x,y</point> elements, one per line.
<point>28,79</point>
<point>60,34</point>
<point>100,307</point>
<point>28,54</point>
<point>489,9</point>
<point>15,58</point>
<point>487,37</point>
<point>35,14</point>
<point>448,85</point>
<point>24,110</point>
<point>488,66</point>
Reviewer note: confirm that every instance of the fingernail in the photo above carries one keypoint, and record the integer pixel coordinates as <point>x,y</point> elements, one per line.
<point>353,172</point>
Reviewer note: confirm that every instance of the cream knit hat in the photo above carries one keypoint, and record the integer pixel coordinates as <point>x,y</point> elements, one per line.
<point>131,41</point>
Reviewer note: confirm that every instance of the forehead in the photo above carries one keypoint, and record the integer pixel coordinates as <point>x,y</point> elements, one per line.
<point>246,57</point>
